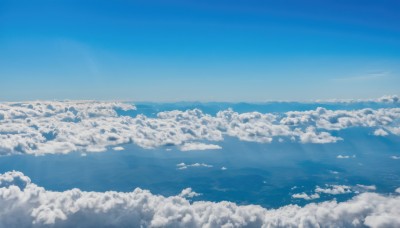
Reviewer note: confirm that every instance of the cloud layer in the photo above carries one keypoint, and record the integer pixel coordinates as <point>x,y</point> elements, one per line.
<point>24,204</point>
<point>62,127</point>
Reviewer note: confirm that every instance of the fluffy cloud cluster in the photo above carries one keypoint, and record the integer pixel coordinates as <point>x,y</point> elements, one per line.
<point>334,189</point>
<point>342,119</point>
<point>305,196</point>
<point>389,99</point>
<point>62,127</point>
<point>199,146</point>
<point>188,193</point>
<point>24,204</point>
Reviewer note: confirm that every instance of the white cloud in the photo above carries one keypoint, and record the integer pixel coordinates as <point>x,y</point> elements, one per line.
<point>334,189</point>
<point>343,156</point>
<point>199,146</point>
<point>88,126</point>
<point>310,136</point>
<point>188,193</point>
<point>383,99</point>
<point>118,148</point>
<point>380,132</point>
<point>223,168</point>
<point>305,196</point>
<point>389,99</point>
<point>60,127</point>
<point>342,119</point>
<point>393,130</point>
<point>397,190</point>
<point>185,166</point>
<point>24,204</point>
<point>395,157</point>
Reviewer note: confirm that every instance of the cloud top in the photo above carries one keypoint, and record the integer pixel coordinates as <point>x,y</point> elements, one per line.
<point>61,127</point>
<point>24,204</point>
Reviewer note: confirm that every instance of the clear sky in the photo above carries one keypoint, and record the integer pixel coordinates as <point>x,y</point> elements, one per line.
<point>206,50</point>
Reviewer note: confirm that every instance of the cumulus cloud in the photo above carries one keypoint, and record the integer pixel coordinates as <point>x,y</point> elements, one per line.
<point>61,127</point>
<point>310,136</point>
<point>334,189</point>
<point>397,190</point>
<point>380,132</point>
<point>305,196</point>
<point>188,193</point>
<point>118,148</point>
<point>342,119</point>
<point>185,166</point>
<point>199,146</point>
<point>24,204</point>
<point>389,99</point>
<point>395,157</point>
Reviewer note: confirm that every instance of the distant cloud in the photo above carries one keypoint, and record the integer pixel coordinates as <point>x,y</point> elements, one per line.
<point>390,99</point>
<point>305,196</point>
<point>368,76</point>
<point>185,166</point>
<point>334,189</point>
<point>345,156</point>
<point>118,148</point>
<point>199,146</point>
<point>45,127</point>
<point>24,204</point>
<point>395,157</point>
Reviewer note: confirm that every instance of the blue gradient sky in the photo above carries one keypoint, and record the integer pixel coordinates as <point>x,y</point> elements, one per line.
<point>199,50</point>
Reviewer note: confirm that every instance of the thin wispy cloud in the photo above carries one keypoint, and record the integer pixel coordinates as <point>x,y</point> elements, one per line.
<point>365,77</point>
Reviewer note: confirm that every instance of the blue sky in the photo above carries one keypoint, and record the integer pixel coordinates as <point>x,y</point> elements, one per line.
<point>199,50</point>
